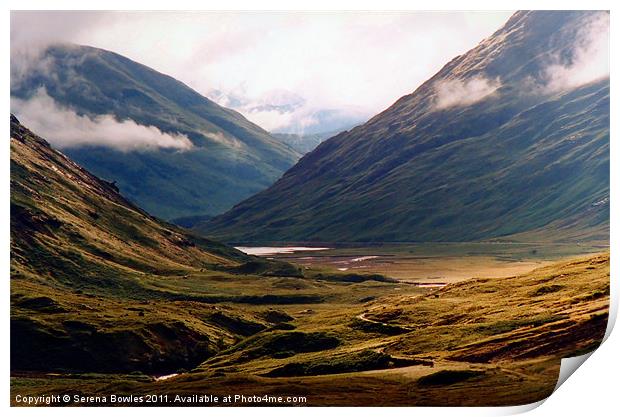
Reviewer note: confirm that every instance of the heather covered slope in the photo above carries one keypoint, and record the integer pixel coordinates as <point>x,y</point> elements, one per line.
<point>230,157</point>
<point>496,144</point>
<point>97,284</point>
<point>65,214</point>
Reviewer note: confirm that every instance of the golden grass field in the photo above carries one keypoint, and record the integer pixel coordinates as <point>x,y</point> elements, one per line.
<point>480,341</point>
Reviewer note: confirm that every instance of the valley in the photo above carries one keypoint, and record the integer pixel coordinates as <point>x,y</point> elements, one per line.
<point>496,341</point>
<point>449,251</point>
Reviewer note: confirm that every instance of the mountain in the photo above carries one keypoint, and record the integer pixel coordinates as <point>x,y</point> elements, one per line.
<point>509,138</point>
<point>306,142</point>
<point>97,284</point>
<point>209,157</point>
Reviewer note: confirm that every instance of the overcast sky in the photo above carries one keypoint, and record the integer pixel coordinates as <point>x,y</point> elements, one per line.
<point>357,61</point>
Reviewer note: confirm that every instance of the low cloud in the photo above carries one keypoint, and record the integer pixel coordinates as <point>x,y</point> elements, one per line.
<point>270,120</point>
<point>219,137</point>
<point>587,62</point>
<point>454,93</point>
<point>283,111</point>
<point>272,110</point>
<point>63,128</point>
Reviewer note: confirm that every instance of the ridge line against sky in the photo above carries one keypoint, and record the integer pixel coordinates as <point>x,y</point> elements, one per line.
<point>277,68</point>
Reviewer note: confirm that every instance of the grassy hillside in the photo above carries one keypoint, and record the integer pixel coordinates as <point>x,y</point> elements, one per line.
<point>98,284</point>
<point>232,158</point>
<point>522,158</point>
<point>492,341</point>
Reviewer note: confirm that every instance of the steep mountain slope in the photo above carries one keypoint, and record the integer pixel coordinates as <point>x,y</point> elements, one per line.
<point>97,284</point>
<point>231,158</point>
<point>504,139</point>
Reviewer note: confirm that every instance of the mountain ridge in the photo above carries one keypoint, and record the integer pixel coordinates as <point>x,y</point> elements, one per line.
<point>422,172</point>
<point>230,157</point>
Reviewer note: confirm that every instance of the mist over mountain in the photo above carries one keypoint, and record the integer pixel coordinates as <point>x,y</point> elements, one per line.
<point>284,112</point>
<point>509,138</point>
<point>170,150</point>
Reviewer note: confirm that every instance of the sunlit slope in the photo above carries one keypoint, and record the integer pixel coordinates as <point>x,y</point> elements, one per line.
<point>97,284</point>
<point>59,208</point>
<point>559,311</point>
<point>526,156</point>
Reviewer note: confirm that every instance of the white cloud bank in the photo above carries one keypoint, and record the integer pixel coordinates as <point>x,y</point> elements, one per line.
<point>64,128</point>
<point>589,59</point>
<point>454,93</point>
